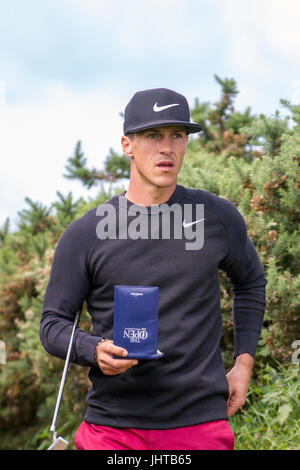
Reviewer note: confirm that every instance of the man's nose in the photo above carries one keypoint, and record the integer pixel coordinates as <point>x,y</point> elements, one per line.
<point>166,146</point>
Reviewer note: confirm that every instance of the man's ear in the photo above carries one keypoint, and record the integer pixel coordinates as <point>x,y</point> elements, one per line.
<point>126,146</point>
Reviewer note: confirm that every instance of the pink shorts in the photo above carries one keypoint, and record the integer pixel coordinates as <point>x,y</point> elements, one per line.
<point>214,435</point>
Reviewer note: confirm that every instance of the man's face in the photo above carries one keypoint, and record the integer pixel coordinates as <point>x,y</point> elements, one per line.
<point>157,154</point>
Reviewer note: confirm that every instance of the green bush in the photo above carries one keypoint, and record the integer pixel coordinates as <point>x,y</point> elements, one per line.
<point>270,419</point>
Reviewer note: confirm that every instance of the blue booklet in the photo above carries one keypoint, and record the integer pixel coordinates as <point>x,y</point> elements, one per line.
<point>136,321</point>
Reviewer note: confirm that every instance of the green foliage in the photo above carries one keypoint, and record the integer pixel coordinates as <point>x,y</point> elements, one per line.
<point>270,419</point>
<point>115,167</point>
<point>267,132</point>
<point>66,209</point>
<point>4,230</point>
<point>294,110</point>
<point>76,168</point>
<point>29,379</point>
<point>222,124</point>
<point>266,191</point>
<point>252,161</point>
<point>35,219</point>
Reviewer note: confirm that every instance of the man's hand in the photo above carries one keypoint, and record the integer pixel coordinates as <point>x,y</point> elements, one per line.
<point>238,380</point>
<point>107,363</point>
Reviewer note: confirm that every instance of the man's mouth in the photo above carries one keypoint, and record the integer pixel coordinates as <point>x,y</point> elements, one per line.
<point>165,165</point>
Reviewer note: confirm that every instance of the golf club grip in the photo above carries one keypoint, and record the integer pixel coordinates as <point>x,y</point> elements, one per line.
<point>63,379</point>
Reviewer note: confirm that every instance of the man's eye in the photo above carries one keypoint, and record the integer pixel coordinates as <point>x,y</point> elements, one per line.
<point>152,136</point>
<point>178,135</point>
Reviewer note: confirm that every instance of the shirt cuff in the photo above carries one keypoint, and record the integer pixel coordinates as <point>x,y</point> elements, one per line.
<point>87,348</point>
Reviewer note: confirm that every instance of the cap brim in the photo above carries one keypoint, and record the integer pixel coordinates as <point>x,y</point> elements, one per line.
<point>191,127</point>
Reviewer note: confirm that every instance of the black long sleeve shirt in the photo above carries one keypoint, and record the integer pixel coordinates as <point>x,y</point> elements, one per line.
<point>188,385</point>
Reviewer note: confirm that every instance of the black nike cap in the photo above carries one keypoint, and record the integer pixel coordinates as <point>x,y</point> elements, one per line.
<point>158,107</point>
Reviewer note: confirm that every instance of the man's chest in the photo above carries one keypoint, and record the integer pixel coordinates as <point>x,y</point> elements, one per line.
<point>162,261</point>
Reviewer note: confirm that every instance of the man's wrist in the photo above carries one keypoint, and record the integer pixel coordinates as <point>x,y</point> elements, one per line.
<point>244,360</point>
<point>96,347</point>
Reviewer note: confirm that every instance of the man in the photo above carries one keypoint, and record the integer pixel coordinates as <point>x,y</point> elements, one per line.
<point>184,399</point>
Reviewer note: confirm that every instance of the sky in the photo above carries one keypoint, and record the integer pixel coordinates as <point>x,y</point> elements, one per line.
<point>69,67</point>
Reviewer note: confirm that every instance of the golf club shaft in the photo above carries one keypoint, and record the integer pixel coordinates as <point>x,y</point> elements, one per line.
<point>62,383</point>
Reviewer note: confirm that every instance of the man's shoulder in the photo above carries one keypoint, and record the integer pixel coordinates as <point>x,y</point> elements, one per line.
<point>79,234</point>
<point>90,218</point>
<point>84,227</point>
<point>221,207</point>
<point>202,196</point>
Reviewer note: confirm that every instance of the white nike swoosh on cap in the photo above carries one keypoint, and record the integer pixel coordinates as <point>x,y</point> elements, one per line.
<point>157,108</point>
<point>185,224</point>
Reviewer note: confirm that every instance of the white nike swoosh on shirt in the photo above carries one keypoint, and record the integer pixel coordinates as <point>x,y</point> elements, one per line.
<point>157,108</point>
<point>185,224</point>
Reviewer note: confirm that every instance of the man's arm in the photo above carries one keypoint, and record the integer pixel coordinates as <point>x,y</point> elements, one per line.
<point>68,287</point>
<point>247,277</point>
<point>248,313</point>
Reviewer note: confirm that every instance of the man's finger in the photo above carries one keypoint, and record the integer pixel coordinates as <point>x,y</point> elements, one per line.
<point>234,403</point>
<point>111,348</point>
<point>119,370</point>
<point>115,366</point>
<point>106,359</point>
<point>122,363</point>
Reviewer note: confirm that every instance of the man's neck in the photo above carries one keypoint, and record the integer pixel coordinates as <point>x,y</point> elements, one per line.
<point>149,195</point>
